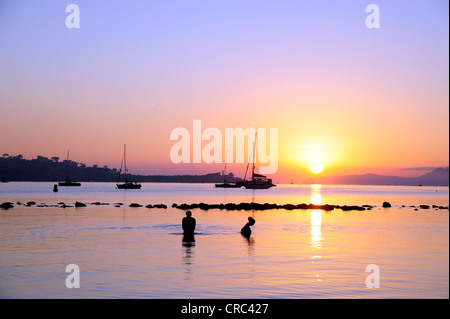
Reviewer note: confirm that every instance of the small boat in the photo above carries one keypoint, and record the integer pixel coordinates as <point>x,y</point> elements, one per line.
<point>68,182</point>
<point>229,185</point>
<point>127,184</point>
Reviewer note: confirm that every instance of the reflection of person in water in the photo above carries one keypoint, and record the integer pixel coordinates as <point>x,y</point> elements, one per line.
<point>246,231</point>
<point>188,225</point>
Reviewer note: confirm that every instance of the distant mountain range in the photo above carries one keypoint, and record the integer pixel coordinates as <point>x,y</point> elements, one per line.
<point>437,177</point>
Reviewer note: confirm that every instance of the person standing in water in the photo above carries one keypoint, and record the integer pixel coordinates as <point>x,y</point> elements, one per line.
<point>188,224</point>
<point>246,231</point>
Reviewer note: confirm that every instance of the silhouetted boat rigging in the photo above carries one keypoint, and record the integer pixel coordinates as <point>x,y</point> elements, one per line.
<point>127,184</point>
<point>258,181</point>
<point>68,182</point>
<point>225,183</point>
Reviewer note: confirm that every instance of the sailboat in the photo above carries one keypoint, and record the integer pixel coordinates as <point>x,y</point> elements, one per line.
<point>68,182</point>
<point>258,181</point>
<point>127,184</point>
<point>225,183</point>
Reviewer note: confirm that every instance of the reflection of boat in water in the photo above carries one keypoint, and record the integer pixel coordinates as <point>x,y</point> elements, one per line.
<point>68,182</point>
<point>258,181</point>
<point>127,184</point>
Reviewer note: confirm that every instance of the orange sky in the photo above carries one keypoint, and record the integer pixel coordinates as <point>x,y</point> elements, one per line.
<point>358,100</point>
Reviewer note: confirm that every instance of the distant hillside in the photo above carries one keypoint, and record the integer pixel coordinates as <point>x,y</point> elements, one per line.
<point>43,169</point>
<point>437,177</point>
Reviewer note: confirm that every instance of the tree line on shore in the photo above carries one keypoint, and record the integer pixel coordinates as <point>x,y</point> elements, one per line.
<point>43,169</point>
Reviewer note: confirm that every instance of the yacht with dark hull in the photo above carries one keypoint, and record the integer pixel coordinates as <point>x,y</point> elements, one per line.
<point>258,181</point>
<point>127,184</point>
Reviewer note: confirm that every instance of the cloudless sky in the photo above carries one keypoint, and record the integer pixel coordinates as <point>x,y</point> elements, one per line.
<point>362,100</point>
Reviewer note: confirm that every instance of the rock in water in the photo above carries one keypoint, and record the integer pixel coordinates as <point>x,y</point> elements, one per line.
<point>387,204</point>
<point>6,205</point>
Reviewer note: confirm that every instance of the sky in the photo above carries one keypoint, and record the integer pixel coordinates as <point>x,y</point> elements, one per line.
<point>356,99</point>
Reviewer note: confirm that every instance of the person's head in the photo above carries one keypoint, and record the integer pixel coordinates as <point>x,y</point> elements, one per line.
<point>188,213</point>
<point>251,221</point>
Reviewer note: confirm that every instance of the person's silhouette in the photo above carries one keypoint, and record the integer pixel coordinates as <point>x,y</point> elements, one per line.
<point>246,231</point>
<point>188,224</point>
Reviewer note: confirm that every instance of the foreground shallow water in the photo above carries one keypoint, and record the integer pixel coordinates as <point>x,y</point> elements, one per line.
<point>130,252</point>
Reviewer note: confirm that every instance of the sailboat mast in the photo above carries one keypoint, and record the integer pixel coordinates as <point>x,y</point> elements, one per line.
<point>254,158</point>
<point>225,169</point>
<point>246,170</point>
<point>67,166</point>
<point>125,160</point>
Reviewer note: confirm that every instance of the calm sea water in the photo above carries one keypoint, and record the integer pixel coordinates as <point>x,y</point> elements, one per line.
<point>139,253</point>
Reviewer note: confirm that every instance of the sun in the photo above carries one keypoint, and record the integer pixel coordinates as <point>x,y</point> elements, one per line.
<point>316,167</point>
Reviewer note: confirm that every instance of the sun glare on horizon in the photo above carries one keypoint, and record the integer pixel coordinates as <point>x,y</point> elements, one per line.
<point>316,167</point>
